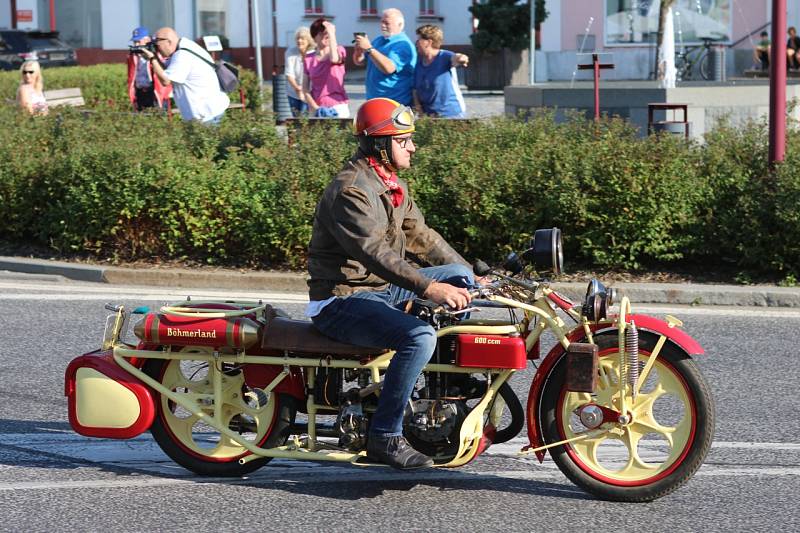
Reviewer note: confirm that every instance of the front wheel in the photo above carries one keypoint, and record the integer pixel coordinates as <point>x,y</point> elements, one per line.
<point>664,443</point>
<point>261,418</point>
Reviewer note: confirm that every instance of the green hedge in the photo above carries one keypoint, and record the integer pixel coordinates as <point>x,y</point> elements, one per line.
<point>123,186</point>
<point>106,85</point>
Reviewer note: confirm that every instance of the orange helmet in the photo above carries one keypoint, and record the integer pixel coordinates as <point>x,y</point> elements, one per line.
<point>381,117</point>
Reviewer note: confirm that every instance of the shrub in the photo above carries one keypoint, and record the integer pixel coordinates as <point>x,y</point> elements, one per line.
<point>124,186</point>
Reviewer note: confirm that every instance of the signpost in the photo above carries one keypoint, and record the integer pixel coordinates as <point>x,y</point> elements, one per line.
<point>596,66</point>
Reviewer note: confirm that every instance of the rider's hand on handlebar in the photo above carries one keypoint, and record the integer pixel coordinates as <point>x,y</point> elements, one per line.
<point>444,293</point>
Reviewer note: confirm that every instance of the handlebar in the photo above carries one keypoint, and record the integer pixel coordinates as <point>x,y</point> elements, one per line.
<point>449,310</point>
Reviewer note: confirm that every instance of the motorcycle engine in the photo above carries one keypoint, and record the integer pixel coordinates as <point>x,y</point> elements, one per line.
<point>351,423</point>
<point>434,421</point>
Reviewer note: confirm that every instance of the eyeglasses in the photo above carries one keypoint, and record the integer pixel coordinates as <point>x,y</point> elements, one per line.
<point>29,72</point>
<point>403,141</point>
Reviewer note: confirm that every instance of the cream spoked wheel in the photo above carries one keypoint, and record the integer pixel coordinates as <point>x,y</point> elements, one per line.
<point>657,446</point>
<point>263,419</point>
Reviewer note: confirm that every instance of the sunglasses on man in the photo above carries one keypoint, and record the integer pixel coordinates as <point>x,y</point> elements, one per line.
<point>403,141</point>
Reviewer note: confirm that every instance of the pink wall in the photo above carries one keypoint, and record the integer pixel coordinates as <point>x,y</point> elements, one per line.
<point>575,17</point>
<point>747,15</point>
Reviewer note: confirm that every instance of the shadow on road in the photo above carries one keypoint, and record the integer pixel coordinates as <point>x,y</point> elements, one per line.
<point>341,482</point>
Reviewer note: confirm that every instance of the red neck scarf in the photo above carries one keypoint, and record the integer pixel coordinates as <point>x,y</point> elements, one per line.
<point>389,179</point>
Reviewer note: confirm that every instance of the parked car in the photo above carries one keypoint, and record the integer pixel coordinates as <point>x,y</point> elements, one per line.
<point>17,46</point>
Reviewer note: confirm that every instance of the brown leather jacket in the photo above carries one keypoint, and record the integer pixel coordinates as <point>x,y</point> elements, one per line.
<point>360,241</point>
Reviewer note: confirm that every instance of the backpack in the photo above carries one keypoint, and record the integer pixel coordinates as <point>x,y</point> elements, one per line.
<point>227,73</point>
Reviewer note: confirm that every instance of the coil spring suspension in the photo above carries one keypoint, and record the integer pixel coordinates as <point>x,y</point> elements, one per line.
<point>632,355</point>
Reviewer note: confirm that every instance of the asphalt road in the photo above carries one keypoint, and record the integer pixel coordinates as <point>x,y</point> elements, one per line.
<point>53,479</point>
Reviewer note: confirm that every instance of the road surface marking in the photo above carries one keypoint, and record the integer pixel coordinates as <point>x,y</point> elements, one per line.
<point>141,457</point>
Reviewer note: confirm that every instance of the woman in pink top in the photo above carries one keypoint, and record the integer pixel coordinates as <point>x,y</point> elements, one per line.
<point>324,68</point>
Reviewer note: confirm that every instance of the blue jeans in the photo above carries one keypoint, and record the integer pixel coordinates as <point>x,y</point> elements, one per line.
<point>376,319</point>
<point>298,107</point>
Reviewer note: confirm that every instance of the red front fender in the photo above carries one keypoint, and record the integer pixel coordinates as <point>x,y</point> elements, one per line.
<point>643,322</point>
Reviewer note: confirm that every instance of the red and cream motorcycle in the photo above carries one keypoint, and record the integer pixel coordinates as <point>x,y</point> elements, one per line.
<point>617,401</point>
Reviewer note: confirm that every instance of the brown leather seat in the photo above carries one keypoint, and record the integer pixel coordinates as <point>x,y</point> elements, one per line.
<point>285,334</point>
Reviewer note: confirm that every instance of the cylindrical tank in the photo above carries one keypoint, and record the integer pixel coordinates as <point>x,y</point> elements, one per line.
<point>716,63</point>
<point>239,332</point>
<point>280,101</point>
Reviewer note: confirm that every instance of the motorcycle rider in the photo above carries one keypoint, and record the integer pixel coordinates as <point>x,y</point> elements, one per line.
<point>366,230</point>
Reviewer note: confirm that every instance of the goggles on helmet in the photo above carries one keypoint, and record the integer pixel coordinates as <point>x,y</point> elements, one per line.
<point>402,120</point>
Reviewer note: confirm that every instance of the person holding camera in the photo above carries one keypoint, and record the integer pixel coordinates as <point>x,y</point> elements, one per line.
<point>190,72</point>
<point>390,59</point>
<point>144,89</point>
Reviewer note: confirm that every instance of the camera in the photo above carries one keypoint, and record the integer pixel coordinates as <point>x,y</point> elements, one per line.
<point>358,34</point>
<point>151,46</point>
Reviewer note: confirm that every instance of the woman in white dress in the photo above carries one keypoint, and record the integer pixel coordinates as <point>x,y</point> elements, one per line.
<point>30,95</point>
<point>294,70</point>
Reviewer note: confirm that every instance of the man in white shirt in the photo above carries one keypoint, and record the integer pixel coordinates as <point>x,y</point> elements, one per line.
<point>189,69</point>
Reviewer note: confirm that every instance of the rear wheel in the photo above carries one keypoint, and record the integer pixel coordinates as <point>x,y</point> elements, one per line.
<point>666,441</point>
<point>705,66</point>
<point>263,419</point>
<point>683,68</point>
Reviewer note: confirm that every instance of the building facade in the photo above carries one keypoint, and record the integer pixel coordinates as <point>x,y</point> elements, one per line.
<point>623,29</point>
<point>100,29</point>
<point>626,30</point>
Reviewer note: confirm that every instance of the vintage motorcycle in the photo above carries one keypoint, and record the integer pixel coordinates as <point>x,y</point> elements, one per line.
<point>617,401</point>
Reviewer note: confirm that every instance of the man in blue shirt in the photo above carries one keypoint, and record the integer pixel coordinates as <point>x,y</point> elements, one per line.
<point>390,60</point>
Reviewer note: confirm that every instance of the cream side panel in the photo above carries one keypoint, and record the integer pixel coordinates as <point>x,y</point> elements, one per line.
<point>102,402</point>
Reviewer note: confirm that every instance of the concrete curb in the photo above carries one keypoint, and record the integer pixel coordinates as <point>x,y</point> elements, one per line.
<point>660,293</point>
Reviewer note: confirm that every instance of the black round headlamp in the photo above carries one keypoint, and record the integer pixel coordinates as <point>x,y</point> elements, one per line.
<point>597,301</point>
<point>545,251</point>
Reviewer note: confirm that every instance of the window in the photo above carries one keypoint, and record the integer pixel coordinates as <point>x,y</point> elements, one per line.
<point>212,17</point>
<point>157,14</point>
<point>636,21</point>
<point>314,7</point>
<point>369,7</point>
<point>78,22</point>
<point>426,8</point>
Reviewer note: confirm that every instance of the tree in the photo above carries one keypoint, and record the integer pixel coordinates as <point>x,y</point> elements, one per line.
<point>505,24</point>
<point>662,17</point>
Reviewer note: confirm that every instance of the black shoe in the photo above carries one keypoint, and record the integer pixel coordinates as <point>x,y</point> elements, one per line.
<point>396,452</point>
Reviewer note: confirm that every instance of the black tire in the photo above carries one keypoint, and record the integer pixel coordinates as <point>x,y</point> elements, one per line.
<point>517,415</point>
<point>190,457</point>
<point>705,66</point>
<point>683,69</point>
<point>631,483</point>
<point>444,450</point>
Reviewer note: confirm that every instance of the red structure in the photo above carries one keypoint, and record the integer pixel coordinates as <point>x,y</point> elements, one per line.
<point>596,65</point>
<point>777,84</point>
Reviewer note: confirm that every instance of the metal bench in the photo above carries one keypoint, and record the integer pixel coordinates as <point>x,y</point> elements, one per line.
<point>60,97</point>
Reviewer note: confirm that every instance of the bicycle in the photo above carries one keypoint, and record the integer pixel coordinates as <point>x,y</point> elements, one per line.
<point>689,56</point>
